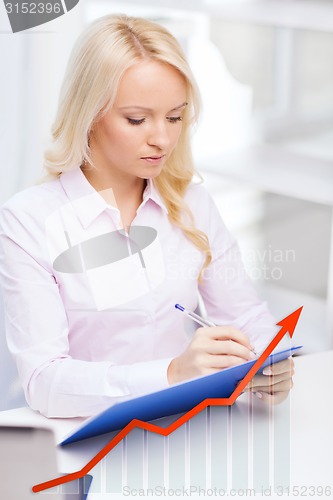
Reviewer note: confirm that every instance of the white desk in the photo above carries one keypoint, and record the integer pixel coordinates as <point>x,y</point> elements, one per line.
<point>238,447</point>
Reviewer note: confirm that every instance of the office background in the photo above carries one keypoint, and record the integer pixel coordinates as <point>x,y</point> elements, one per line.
<point>264,146</point>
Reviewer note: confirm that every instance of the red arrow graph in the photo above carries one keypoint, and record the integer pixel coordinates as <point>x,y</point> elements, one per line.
<point>288,325</point>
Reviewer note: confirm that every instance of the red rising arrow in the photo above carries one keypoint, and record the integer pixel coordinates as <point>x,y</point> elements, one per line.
<point>287,324</point>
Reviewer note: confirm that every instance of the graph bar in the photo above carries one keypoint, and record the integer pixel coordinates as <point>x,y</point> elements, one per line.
<point>197,451</point>
<point>96,472</point>
<point>156,445</point>
<point>177,469</point>
<point>281,454</point>
<point>239,442</point>
<point>261,447</point>
<point>219,446</point>
<point>114,470</point>
<point>135,459</point>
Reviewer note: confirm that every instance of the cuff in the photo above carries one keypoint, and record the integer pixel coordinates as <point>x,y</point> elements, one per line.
<point>149,376</point>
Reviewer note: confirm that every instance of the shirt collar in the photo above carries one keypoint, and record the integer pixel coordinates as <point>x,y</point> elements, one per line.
<point>151,193</point>
<point>88,204</point>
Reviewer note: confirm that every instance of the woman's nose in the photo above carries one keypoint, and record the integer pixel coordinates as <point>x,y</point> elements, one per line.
<point>158,136</point>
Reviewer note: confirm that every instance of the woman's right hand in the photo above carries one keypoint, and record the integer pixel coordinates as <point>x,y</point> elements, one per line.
<point>210,350</point>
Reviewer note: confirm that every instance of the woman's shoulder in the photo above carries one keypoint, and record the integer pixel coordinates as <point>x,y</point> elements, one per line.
<point>197,196</point>
<point>204,208</point>
<point>36,199</point>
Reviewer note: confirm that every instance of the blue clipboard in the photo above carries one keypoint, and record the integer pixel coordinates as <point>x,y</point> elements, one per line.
<point>172,400</point>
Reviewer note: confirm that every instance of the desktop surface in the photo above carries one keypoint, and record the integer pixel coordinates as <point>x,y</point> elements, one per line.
<point>306,415</point>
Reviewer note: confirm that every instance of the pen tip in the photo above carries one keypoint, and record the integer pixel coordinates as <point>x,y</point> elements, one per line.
<point>178,306</point>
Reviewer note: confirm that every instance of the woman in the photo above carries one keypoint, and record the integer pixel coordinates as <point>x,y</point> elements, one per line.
<point>94,259</point>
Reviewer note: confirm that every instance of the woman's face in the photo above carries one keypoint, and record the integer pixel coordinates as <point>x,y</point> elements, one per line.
<point>140,131</point>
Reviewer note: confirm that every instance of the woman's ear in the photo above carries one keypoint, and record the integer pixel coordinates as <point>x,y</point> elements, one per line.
<point>92,131</point>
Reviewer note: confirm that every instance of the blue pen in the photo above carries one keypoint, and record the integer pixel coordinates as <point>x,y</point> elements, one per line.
<point>201,321</point>
<point>195,317</point>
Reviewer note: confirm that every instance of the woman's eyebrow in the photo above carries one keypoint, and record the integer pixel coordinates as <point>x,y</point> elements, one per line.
<point>142,108</point>
<point>180,106</point>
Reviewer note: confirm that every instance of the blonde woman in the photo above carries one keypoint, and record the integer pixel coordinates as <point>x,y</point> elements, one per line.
<point>94,259</point>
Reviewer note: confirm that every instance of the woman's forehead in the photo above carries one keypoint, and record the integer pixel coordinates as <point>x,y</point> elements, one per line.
<point>151,83</point>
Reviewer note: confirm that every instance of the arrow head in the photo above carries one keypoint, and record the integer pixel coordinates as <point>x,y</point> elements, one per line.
<point>289,322</point>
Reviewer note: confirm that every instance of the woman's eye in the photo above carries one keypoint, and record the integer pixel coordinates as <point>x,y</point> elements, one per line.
<point>174,119</point>
<point>171,119</point>
<point>132,121</point>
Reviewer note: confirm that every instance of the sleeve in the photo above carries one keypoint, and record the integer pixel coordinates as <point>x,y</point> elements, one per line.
<point>226,290</point>
<point>37,332</point>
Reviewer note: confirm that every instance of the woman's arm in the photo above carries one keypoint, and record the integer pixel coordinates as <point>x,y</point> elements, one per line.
<point>231,300</point>
<point>37,328</point>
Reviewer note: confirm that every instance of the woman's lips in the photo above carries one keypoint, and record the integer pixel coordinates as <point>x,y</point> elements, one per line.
<point>154,160</point>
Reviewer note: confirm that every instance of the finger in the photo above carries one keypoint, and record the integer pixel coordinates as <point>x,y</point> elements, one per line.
<point>221,362</point>
<point>209,370</point>
<point>265,381</point>
<point>273,399</point>
<point>261,382</point>
<point>285,366</point>
<point>229,333</point>
<point>230,348</point>
<point>284,385</point>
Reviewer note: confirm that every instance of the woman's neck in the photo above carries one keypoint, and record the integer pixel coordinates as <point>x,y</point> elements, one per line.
<point>124,192</point>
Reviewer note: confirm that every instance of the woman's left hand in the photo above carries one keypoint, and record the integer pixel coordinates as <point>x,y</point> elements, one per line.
<point>274,384</point>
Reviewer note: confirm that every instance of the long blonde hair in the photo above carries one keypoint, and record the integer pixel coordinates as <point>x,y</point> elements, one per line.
<point>101,55</point>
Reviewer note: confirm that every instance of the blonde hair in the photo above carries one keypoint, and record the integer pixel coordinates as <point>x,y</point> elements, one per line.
<point>101,55</point>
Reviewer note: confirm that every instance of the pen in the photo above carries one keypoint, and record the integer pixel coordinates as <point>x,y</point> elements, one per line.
<point>195,317</point>
<point>201,321</point>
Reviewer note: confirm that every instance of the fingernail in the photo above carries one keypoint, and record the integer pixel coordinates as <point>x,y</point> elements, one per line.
<point>252,355</point>
<point>258,394</point>
<point>267,371</point>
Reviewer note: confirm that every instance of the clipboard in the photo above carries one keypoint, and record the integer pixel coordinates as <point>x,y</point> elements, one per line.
<point>175,399</point>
